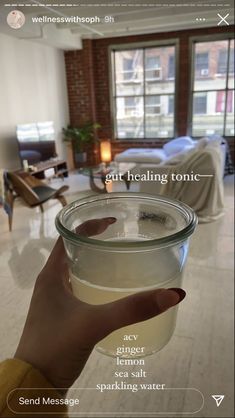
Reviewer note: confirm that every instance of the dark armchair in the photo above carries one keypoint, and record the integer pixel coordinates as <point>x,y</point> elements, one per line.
<point>32,191</point>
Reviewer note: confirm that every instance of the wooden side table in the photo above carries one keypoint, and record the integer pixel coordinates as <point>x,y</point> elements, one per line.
<point>59,166</point>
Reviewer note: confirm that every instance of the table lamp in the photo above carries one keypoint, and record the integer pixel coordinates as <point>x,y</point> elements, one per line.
<point>105,151</point>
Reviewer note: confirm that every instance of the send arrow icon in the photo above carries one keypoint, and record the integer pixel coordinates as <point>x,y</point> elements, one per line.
<point>218,399</point>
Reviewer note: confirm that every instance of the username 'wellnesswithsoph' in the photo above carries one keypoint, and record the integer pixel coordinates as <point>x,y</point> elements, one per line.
<point>151,176</point>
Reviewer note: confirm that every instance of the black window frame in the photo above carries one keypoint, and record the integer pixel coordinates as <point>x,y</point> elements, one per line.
<point>199,64</point>
<point>171,65</point>
<point>193,41</point>
<point>200,108</point>
<point>222,64</point>
<point>145,45</point>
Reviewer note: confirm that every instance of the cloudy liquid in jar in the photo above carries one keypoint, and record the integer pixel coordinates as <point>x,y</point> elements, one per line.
<point>153,333</point>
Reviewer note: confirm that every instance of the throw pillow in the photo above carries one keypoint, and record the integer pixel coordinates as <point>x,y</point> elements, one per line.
<point>177,145</point>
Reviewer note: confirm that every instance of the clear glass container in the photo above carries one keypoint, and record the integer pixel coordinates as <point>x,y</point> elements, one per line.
<point>145,248</point>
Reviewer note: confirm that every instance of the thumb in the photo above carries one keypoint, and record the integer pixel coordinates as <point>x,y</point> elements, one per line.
<point>137,308</point>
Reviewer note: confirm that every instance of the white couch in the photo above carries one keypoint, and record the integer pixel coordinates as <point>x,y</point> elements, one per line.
<point>171,153</point>
<point>156,155</point>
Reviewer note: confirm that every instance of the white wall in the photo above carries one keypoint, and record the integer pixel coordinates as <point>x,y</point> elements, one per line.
<point>32,88</point>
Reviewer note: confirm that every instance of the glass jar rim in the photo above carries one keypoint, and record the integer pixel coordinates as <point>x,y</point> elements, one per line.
<point>188,214</point>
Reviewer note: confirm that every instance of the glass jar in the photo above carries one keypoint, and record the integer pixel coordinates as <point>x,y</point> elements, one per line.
<point>145,248</point>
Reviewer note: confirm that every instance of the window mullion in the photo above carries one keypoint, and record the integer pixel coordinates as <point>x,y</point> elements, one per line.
<point>144,121</point>
<point>226,89</point>
<point>192,86</point>
<point>115,94</point>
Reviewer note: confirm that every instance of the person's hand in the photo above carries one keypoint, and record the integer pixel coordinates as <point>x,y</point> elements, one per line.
<point>61,331</point>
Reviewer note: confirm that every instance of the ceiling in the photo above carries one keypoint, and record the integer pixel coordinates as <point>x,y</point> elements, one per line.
<point>114,19</point>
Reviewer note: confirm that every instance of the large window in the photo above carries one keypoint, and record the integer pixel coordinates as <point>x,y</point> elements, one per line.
<point>144,92</point>
<point>213,88</point>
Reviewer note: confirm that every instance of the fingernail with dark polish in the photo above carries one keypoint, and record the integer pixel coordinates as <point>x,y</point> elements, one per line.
<point>180,292</point>
<point>111,219</point>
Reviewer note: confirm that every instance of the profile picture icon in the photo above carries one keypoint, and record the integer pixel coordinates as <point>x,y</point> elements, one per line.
<point>16,19</point>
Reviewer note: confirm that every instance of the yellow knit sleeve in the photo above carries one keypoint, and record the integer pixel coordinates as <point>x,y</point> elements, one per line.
<point>24,391</point>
